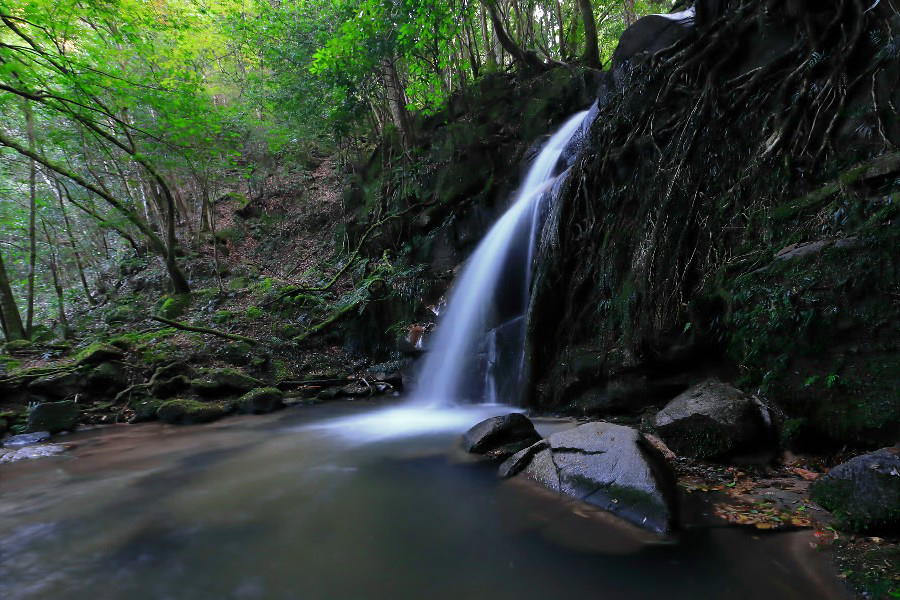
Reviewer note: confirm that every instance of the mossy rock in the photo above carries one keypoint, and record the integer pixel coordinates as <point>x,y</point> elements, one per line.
<point>53,417</point>
<point>261,400</point>
<point>122,314</point>
<point>58,385</point>
<point>107,378</point>
<point>173,307</point>
<point>237,353</point>
<point>97,353</point>
<point>864,492</point>
<point>189,412</point>
<point>145,409</point>
<point>166,388</point>
<point>18,346</point>
<point>238,283</point>
<point>217,383</point>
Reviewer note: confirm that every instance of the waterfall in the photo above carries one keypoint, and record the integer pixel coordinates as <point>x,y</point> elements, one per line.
<point>476,359</point>
<point>484,315</point>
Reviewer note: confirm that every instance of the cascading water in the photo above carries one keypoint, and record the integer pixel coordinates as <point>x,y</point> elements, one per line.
<point>475,359</point>
<point>480,304</point>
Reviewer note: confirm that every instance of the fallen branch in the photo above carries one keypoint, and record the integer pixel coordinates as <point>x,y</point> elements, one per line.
<point>204,330</point>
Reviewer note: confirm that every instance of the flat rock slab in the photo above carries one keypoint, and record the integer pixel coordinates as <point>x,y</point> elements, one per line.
<point>609,466</point>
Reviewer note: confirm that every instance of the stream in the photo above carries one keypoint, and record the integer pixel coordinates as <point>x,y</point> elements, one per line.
<point>306,504</point>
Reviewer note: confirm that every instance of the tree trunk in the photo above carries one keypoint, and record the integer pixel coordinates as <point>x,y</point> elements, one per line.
<point>32,220</point>
<point>523,57</point>
<point>591,46</point>
<point>396,100</point>
<point>628,13</point>
<point>57,286</point>
<point>9,310</point>
<point>72,244</point>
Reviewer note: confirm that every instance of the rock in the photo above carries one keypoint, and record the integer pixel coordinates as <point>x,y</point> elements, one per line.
<point>224,382</point>
<point>58,386</point>
<point>501,437</point>
<point>189,412</point>
<point>107,379</point>
<point>166,388</point>
<point>261,400</point>
<point>864,492</point>
<point>98,353</point>
<point>53,417</point>
<point>518,461</point>
<point>609,466</point>
<point>18,346</point>
<point>714,419</point>
<point>26,439</point>
<point>35,451</point>
<point>145,409</point>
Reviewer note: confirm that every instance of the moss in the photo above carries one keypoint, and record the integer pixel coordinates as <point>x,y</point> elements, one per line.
<point>224,316</point>
<point>189,412</point>
<point>172,307</point>
<point>17,346</point>
<point>254,312</point>
<point>260,400</point>
<point>98,352</point>
<point>223,382</point>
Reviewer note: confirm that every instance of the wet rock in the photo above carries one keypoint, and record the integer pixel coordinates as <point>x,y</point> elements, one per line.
<point>864,492</point>
<point>261,400</point>
<point>501,437</point>
<point>26,439</point>
<point>357,389</point>
<point>53,417</point>
<point>518,461</point>
<point>166,388</point>
<point>714,419</point>
<point>215,383</point>
<point>28,452</point>
<point>99,353</point>
<point>58,386</point>
<point>189,412</point>
<point>609,466</point>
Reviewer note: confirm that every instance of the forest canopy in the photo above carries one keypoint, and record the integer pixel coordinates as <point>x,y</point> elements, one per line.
<point>124,120</point>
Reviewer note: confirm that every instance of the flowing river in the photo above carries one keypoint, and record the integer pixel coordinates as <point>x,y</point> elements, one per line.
<point>291,505</point>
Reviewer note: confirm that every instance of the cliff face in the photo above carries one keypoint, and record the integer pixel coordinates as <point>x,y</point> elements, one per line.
<point>735,212</point>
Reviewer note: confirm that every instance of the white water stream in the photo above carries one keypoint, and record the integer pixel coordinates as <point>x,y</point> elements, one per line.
<point>456,387</point>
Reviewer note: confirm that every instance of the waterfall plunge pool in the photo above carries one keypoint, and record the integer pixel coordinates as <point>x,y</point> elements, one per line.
<point>305,504</point>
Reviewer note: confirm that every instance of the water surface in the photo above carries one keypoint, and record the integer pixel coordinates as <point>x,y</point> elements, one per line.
<point>286,506</point>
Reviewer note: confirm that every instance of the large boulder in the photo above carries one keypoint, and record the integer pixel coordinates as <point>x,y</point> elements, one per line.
<point>714,419</point>
<point>98,353</point>
<point>57,386</point>
<point>53,417</point>
<point>864,492</point>
<point>607,465</point>
<point>215,383</point>
<point>261,400</point>
<point>189,412</point>
<point>107,379</point>
<point>501,436</point>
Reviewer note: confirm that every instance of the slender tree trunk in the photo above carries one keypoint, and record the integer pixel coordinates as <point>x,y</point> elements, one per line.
<point>12,320</point>
<point>57,285</point>
<point>562,30</point>
<point>628,13</point>
<point>32,220</point>
<point>591,45</point>
<point>72,244</point>
<point>396,100</point>
<point>489,51</point>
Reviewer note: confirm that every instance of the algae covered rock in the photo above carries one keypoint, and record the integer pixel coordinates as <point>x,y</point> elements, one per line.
<point>261,400</point>
<point>98,353</point>
<point>214,383</point>
<point>864,492</point>
<point>53,417</point>
<point>713,419</point>
<point>189,412</point>
<point>57,386</point>
<point>501,436</point>
<point>145,409</point>
<point>607,465</point>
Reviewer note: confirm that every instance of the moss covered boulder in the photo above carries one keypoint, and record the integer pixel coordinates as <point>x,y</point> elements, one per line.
<point>261,400</point>
<point>98,353</point>
<point>53,417</point>
<point>189,412</point>
<point>145,409</point>
<point>864,492</point>
<point>218,383</point>
<point>107,379</point>
<point>58,386</point>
